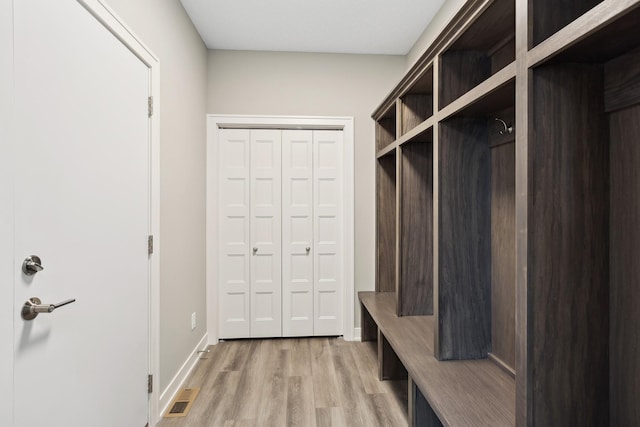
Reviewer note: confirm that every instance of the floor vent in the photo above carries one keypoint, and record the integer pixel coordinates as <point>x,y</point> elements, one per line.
<point>182,403</point>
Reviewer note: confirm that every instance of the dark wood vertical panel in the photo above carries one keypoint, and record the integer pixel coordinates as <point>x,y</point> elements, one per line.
<point>416,108</point>
<point>503,262</point>
<point>369,329</point>
<point>549,16</point>
<point>421,413</point>
<point>464,288</point>
<point>399,168</point>
<point>436,198</point>
<point>568,248</point>
<point>416,287</point>
<point>398,117</point>
<point>389,365</point>
<point>625,268</point>
<point>460,71</point>
<point>386,224</point>
<point>522,129</point>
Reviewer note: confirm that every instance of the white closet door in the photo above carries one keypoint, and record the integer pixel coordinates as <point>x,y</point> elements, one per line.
<point>235,244</point>
<point>328,262</point>
<point>297,233</point>
<point>266,280</point>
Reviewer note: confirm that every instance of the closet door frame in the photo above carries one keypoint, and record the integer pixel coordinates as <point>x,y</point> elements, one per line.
<point>217,122</point>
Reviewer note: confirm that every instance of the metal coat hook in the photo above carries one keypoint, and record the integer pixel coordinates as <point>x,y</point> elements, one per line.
<point>507,129</point>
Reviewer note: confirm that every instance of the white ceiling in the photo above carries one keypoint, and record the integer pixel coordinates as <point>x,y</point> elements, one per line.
<point>388,27</point>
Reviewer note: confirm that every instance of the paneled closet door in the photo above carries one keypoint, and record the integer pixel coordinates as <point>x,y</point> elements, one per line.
<point>235,244</point>
<point>280,232</point>
<point>297,233</point>
<point>328,259</point>
<point>266,280</point>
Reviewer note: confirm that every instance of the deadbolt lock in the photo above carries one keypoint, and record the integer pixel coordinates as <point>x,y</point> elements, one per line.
<point>31,265</point>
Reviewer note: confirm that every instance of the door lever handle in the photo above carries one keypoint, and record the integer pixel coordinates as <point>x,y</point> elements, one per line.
<point>34,306</point>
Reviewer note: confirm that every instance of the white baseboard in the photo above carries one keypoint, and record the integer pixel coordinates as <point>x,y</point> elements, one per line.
<point>178,380</point>
<point>357,334</point>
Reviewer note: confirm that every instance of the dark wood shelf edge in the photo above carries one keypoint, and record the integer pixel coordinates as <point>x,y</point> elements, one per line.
<point>450,372</point>
<point>484,89</point>
<point>387,150</point>
<point>508,369</point>
<point>422,127</point>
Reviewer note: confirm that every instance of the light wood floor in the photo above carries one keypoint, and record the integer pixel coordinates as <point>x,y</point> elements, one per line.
<point>293,382</point>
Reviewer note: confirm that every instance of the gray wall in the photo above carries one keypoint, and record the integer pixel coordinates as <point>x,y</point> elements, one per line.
<point>442,18</point>
<point>276,83</point>
<point>165,28</point>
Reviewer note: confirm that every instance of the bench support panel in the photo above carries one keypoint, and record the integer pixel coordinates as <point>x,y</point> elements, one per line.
<point>369,329</point>
<point>389,365</point>
<point>420,413</point>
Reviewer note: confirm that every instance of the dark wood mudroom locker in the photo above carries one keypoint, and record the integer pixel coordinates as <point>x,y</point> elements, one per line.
<point>508,219</point>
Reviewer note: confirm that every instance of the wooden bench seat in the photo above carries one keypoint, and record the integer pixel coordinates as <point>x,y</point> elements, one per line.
<point>456,393</point>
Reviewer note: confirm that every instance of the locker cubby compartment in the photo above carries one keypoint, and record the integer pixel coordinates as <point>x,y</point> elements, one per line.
<point>597,46</point>
<point>483,49</point>
<point>415,282</point>
<point>416,105</point>
<point>476,241</point>
<point>549,16</point>
<point>386,128</point>
<point>386,223</point>
<point>583,271</point>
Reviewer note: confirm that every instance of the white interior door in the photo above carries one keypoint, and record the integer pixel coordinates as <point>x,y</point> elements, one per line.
<point>297,233</point>
<point>81,205</point>
<point>235,232</point>
<point>266,267</point>
<point>328,259</point>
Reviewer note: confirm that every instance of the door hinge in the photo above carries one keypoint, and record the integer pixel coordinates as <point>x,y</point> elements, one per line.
<point>150,106</point>
<point>150,384</point>
<point>150,245</point>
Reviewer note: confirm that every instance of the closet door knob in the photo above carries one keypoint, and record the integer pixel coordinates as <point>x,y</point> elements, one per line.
<point>255,250</point>
<point>308,249</point>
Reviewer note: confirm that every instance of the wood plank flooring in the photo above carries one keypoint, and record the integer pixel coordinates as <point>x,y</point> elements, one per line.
<point>307,382</point>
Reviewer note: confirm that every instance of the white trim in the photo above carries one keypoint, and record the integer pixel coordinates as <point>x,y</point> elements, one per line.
<point>357,334</point>
<point>277,126</point>
<point>349,231</point>
<point>216,121</point>
<point>7,229</point>
<point>178,380</point>
<point>110,20</point>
